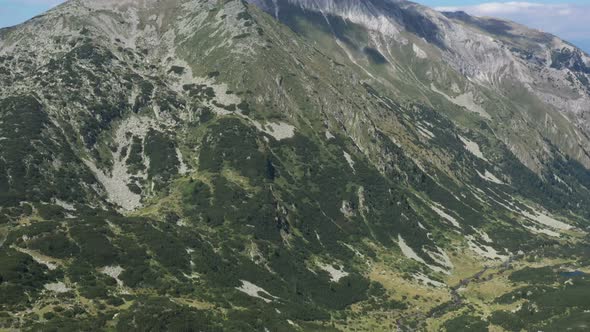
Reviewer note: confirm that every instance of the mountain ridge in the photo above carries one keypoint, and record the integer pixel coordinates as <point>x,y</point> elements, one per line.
<point>199,164</point>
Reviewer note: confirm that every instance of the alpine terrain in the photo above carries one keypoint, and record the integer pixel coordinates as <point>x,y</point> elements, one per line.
<point>291,165</point>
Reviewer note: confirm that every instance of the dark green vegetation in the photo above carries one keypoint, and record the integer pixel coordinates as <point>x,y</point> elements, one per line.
<point>466,323</point>
<point>567,58</point>
<point>21,279</point>
<point>163,162</point>
<point>26,170</point>
<point>553,300</point>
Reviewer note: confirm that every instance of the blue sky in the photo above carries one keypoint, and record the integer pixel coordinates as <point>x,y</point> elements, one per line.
<point>17,11</point>
<point>565,18</point>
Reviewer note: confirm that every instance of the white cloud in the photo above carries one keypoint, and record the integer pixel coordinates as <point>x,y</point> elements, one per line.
<point>568,21</point>
<point>41,2</point>
<point>510,8</point>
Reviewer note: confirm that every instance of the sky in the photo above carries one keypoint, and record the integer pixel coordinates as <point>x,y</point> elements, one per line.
<point>567,19</point>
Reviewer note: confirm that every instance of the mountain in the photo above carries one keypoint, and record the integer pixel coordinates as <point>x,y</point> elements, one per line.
<point>291,165</point>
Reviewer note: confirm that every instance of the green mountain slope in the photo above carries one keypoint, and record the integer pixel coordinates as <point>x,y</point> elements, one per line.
<point>283,166</point>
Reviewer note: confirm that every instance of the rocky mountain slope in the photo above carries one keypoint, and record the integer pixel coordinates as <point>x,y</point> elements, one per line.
<point>290,165</point>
